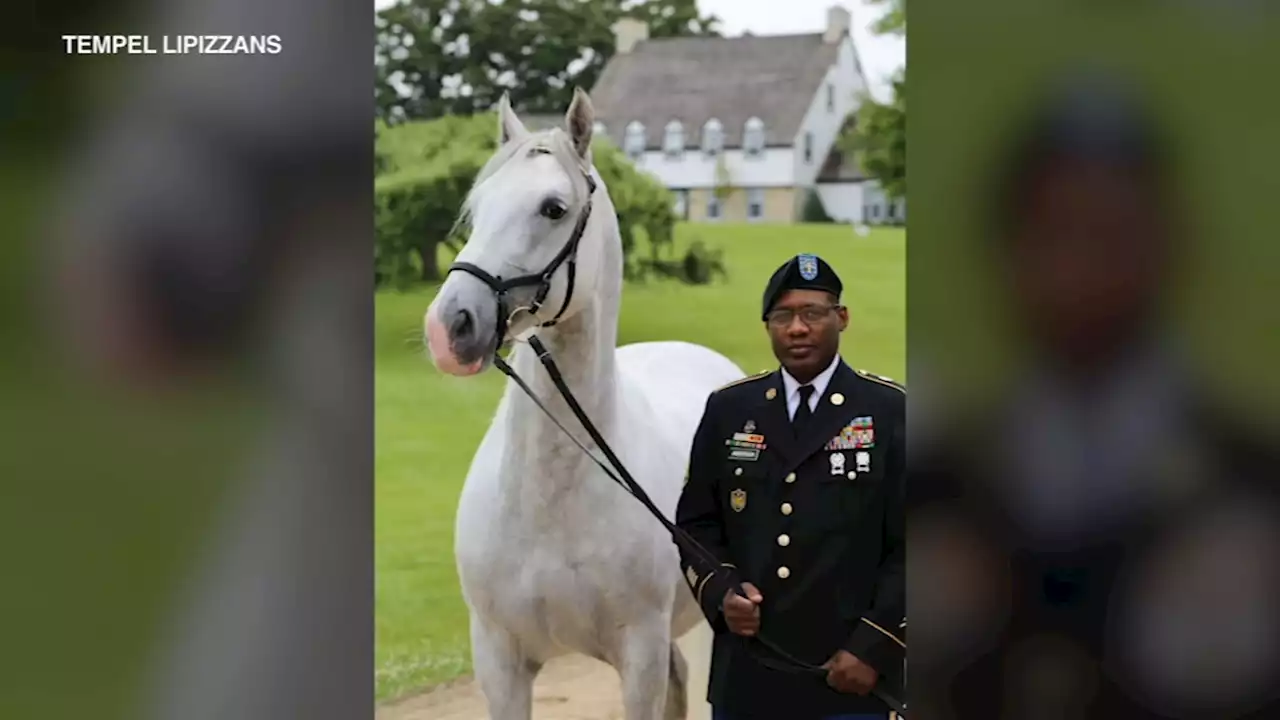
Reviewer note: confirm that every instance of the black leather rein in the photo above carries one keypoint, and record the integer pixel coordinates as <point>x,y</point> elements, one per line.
<point>622,477</point>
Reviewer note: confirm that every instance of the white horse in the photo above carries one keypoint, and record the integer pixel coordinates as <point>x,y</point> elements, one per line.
<point>553,556</point>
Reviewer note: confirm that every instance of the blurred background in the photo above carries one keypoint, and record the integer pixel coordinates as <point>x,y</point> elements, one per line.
<point>185,519</point>
<point>731,134</point>
<point>1092,336</point>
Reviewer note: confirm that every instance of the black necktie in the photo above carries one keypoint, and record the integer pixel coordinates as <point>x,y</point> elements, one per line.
<point>803,413</point>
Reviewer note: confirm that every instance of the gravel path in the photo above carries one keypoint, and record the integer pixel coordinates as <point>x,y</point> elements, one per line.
<point>570,688</point>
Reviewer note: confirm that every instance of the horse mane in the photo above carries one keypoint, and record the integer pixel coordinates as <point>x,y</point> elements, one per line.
<point>554,142</point>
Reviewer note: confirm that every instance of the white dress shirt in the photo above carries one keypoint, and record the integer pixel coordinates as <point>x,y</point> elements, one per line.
<point>791,387</point>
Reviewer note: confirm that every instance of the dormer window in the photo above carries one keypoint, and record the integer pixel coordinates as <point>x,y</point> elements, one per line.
<point>712,137</point>
<point>753,137</point>
<point>633,143</point>
<point>673,139</point>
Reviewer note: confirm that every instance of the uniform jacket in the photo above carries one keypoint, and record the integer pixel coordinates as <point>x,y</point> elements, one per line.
<point>1067,602</point>
<point>816,523</point>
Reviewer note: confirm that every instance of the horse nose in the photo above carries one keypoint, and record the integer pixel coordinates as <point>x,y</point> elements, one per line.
<point>462,328</point>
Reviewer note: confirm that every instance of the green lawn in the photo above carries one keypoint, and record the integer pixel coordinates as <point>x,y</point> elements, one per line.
<point>428,424</point>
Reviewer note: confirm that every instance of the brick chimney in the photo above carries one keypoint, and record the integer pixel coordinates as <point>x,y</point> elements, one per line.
<point>629,32</point>
<point>838,21</point>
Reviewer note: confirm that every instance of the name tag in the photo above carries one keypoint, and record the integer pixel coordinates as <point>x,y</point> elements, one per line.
<point>747,454</point>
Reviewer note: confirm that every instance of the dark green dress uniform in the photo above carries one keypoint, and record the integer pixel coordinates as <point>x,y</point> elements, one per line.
<point>816,522</point>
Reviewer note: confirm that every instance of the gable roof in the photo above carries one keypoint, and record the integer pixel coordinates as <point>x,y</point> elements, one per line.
<point>693,79</point>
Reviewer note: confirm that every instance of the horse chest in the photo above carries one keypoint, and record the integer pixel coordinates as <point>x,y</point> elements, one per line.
<point>549,595</point>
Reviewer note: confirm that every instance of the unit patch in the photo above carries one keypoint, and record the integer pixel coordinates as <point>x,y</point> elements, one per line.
<point>808,267</point>
<point>738,500</point>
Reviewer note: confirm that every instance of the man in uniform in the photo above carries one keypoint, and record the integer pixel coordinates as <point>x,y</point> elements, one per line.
<point>796,487</point>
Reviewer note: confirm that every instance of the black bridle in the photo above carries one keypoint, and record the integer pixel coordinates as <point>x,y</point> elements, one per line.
<point>622,477</point>
<point>568,254</point>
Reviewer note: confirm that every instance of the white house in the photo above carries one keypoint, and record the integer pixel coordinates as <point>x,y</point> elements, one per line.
<point>740,128</point>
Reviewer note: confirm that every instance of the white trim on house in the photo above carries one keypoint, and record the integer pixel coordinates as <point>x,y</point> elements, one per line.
<point>696,169</point>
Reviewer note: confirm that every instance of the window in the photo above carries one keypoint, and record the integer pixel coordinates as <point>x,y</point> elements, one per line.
<point>633,144</point>
<point>831,97</point>
<point>713,208</point>
<point>866,213</point>
<point>681,204</point>
<point>755,203</point>
<point>889,211</point>
<point>673,139</point>
<point>753,137</point>
<point>808,147</point>
<point>712,137</point>
<point>875,212</point>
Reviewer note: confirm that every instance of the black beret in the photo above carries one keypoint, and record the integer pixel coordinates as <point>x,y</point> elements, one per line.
<point>802,272</point>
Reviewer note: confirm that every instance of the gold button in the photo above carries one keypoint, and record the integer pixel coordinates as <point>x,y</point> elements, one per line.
<point>786,508</point>
<point>791,477</point>
<point>784,540</point>
<point>737,471</point>
<point>784,573</point>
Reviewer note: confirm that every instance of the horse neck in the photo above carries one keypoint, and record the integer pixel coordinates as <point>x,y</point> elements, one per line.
<point>582,348</point>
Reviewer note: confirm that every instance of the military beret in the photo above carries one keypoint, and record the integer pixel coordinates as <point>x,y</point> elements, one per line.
<point>802,272</point>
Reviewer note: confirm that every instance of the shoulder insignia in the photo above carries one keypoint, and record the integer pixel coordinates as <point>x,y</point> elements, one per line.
<point>746,379</point>
<point>881,380</point>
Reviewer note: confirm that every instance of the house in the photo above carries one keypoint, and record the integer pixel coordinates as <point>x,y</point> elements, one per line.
<point>741,128</point>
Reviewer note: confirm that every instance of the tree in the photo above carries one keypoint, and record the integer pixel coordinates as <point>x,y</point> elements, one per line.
<point>894,19</point>
<point>438,57</point>
<point>722,188</point>
<point>878,137</point>
<point>427,167</point>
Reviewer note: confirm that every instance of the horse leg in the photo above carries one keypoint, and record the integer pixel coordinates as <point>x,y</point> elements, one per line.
<point>505,672</point>
<point>645,669</point>
<point>677,686</point>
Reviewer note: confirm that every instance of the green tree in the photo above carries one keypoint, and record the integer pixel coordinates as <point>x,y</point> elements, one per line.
<point>428,166</point>
<point>723,186</point>
<point>878,137</point>
<point>894,19</point>
<point>438,57</point>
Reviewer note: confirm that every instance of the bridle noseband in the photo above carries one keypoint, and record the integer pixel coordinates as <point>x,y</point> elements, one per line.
<point>500,287</point>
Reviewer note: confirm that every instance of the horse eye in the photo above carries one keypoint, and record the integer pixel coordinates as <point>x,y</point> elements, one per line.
<point>553,209</point>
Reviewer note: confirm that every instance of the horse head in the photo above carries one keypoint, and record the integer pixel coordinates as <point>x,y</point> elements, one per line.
<point>532,258</point>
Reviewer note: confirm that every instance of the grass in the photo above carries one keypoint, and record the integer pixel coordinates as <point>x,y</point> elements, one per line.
<point>428,424</point>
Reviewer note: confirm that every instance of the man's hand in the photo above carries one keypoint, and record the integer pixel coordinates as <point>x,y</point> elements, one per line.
<point>847,674</point>
<point>742,615</point>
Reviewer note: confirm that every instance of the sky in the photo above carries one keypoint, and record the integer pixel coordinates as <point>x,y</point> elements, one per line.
<point>881,56</point>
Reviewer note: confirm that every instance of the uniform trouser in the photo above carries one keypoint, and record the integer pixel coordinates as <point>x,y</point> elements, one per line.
<point>717,714</point>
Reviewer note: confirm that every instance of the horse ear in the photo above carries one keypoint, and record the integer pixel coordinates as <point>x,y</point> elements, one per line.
<point>580,120</point>
<point>509,126</point>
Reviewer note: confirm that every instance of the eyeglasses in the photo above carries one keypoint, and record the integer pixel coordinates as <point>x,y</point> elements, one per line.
<point>809,314</point>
